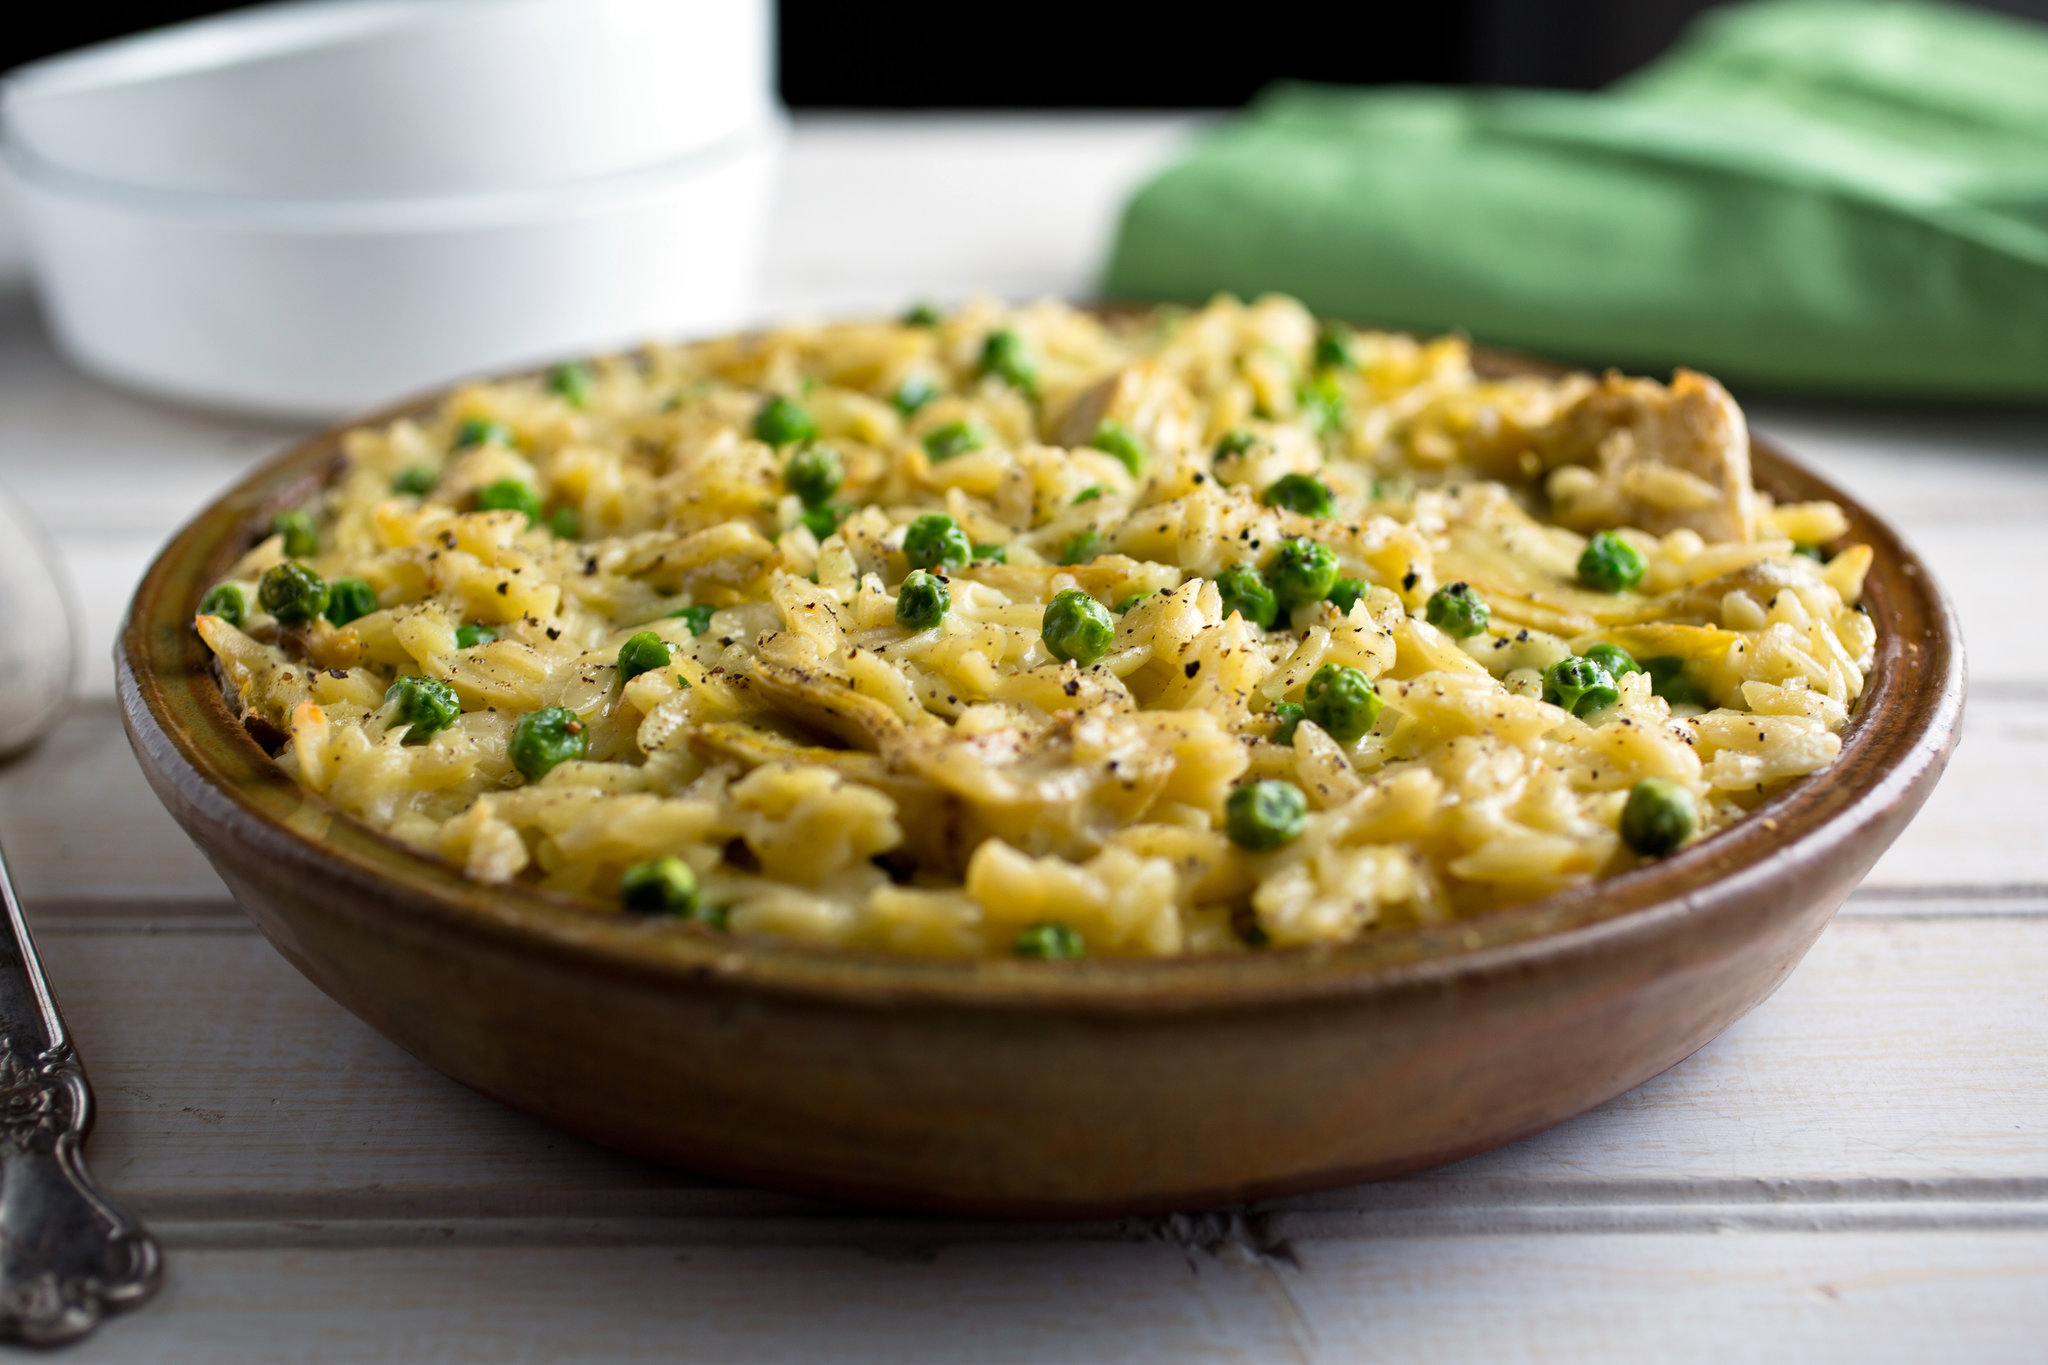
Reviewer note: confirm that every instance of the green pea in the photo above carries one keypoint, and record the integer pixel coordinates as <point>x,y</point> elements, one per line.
<point>1322,404</point>
<point>1303,493</point>
<point>1335,348</point>
<point>935,539</point>
<point>922,601</point>
<point>425,706</point>
<point>1610,564</point>
<point>922,314</point>
<point>813,474</point>
<point>470,636</point>
<point>547,737</point>
<point>1049,941</point>
<point>992,554</point>
<point>1618,662</point>
<point>1579,685</point>
<point>1342,701</point>
<point>571,383</point>
<point>1658,817</point>
<point>1088,494</point>
<point>1246,592</point>
<point>1114,438</point>
<point>1005,356</point>
<point>482,431</point>
<point>228,601</point>
<point>953,438</point>
<point>419,480</point>
<point>1081,546</point>
<point>1263,815</point>
<point>913,393</point>
<point>697,618</point>
<point>823,520</point>
<point>1235,443</point>
<point>1287,718</point>
<point>1345,593</point>
<point>1076,627</point>
<point>566,523</point>
<point>293,593</point>
<point>642,653</point>
<point>1457,611</point>
<point>1668,680</point>
<point>782,421</point>
<point>1131,601</point>
<point>301,537</point>
<point>1301,571</point>
<point>509,495</point>
<point>659,886</point>
<point>349,599</point>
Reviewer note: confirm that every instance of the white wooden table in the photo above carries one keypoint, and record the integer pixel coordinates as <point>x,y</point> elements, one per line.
<point>1856,1172</point>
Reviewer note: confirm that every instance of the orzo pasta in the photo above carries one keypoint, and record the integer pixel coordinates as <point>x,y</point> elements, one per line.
<point>1031,630</point>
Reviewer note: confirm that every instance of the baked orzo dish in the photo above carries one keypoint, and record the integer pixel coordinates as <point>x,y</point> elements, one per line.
<point>1041,631</point>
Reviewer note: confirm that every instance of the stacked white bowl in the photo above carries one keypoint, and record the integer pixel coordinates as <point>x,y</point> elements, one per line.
<point>305,209</point>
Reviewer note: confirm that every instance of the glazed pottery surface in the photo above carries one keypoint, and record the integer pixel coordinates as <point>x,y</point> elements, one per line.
<point>1005,1087</point>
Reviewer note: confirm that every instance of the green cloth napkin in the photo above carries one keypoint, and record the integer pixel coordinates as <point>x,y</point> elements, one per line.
<point>1805,194</point>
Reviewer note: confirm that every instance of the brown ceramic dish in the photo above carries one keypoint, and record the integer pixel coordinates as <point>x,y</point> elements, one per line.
<point>1000,1087</point>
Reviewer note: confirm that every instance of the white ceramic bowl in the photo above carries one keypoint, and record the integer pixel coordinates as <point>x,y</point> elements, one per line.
<point>310,310</point>
<point>379,99</point>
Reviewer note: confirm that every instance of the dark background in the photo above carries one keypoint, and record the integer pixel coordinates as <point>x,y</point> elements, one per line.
<point>1102,54</point>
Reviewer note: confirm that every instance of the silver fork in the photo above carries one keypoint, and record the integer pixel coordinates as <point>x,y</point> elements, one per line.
<point>68,1254</point>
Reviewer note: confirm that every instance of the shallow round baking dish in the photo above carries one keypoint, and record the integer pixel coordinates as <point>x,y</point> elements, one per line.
<point>1004,1087</point>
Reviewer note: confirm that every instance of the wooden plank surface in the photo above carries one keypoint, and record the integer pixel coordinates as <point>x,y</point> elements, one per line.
<point>1858,1171</point>
<point>1856,1299</point>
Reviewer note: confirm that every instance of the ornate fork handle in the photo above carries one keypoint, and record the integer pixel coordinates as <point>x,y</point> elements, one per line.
<point>68,1254</point>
